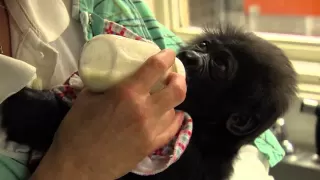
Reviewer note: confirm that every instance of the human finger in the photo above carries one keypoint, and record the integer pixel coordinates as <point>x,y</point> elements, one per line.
<point>168,134</point>
<point>152,70</point>
<point>171,95</point>
<point>164,121</point>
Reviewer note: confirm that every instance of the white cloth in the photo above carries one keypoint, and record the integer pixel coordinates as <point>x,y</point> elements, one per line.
<point>251,165</point>
<point>44,36</point>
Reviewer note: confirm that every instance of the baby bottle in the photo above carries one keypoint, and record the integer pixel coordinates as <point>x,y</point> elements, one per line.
<point>107,59</point>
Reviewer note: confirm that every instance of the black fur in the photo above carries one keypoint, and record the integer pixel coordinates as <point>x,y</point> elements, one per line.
<point>32,117</point>
<point>238,85</point>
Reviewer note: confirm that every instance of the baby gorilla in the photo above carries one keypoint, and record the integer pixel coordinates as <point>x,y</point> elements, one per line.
<point>238,85</point>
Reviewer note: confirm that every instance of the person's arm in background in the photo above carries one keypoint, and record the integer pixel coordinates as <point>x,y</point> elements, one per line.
<point>251,165</point>
<point>255,160</point>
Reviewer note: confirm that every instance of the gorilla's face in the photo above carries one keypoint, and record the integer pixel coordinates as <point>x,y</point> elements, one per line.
<point>210,69</point>
<point>238,83</point>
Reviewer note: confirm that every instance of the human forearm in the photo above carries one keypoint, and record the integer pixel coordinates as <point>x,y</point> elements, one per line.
<point>61,166</point>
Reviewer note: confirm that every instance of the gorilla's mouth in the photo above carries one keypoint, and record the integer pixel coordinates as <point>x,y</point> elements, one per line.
<point>195,64</point>
<point>191,59</point>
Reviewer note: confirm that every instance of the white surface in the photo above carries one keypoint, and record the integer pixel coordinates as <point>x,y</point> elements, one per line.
<point>14,75</point>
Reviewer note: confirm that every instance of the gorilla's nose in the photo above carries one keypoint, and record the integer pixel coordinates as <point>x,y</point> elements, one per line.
<point>190,59</point>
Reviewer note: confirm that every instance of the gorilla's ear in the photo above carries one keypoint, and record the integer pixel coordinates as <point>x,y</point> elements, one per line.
<point>241,125</point>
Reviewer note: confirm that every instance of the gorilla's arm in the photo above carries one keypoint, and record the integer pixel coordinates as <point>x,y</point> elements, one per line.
<point>32,117</point>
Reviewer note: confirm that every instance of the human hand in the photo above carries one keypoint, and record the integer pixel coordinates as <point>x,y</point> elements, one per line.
<point>104,136</point>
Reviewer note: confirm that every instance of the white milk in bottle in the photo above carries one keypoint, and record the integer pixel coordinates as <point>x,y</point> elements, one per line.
<point>107,59</point>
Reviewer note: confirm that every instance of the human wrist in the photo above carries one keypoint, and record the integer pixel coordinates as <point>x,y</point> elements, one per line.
<point>60,166</point>
<point>54,166</point>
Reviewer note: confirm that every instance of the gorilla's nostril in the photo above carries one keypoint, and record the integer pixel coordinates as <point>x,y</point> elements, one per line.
<point>190,59</point>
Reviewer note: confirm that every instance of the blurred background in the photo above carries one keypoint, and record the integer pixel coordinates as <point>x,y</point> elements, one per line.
<point>293,25</point>
<point>300,17</point>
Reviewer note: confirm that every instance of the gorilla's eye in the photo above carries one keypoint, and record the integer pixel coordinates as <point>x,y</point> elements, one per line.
<point>204,45</point>
<point>220,65</point>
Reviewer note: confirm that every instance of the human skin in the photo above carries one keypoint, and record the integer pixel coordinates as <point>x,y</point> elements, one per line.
<point>104,136</point>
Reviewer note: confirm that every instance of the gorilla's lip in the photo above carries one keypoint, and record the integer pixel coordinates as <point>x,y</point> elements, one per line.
<point>187,78</point>
<point>178,56</point>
